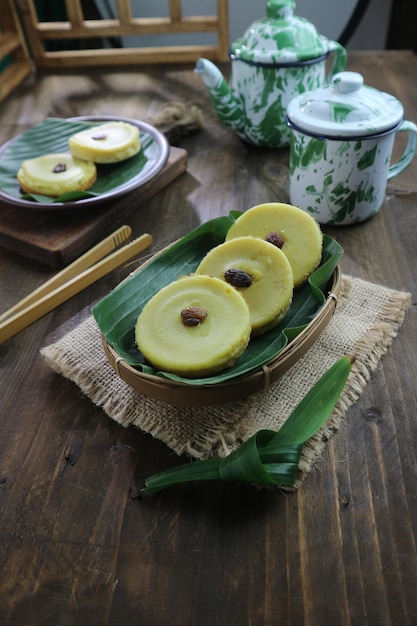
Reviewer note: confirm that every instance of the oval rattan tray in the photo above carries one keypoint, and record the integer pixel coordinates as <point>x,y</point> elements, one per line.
<point>181,394</point>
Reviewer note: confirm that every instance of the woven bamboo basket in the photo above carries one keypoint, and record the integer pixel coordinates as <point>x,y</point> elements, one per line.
<point>181,394</point>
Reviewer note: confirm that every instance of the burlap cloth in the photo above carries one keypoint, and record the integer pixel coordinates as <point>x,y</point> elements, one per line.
<point>366,320</point>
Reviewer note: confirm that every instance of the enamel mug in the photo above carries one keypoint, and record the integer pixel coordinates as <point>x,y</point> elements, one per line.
<point>342,137</point>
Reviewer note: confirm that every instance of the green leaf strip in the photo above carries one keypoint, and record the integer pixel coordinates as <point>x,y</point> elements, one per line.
<point>268,457</point>
<point>245,464</point>
<point>319,402</point>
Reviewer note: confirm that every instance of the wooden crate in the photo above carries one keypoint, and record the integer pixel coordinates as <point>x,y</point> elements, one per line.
<point>77,28</point>
<point>15,63</point>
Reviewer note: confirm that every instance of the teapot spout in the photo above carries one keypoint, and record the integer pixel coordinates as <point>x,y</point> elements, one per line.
<point>228,108</point>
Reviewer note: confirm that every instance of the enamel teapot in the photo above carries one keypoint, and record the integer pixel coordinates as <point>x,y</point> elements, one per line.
<point>342,137</point>
<point>277,58</point>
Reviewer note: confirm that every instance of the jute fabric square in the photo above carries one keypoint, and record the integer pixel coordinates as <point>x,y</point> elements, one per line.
<point>366,320</point>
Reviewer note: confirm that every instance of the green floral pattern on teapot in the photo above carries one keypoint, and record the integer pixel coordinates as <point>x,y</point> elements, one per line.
<point>264,95</point>
<point>278,57</point>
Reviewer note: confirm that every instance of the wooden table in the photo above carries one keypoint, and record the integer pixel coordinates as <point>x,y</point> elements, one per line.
<point>79,546</point>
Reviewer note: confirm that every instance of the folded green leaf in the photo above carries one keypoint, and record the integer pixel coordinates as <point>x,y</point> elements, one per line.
<point>268,457</point>
<point>116,314</point>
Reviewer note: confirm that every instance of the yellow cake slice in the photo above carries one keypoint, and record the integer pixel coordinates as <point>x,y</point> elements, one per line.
<point>194,327</point>
<point>260,272</point>
<point>106,143</point>
<point>290,228</point>
<point>55,174</point>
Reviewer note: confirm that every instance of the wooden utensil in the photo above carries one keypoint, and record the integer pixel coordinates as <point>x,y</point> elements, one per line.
<point>52,298</point>
<point>79,265</point>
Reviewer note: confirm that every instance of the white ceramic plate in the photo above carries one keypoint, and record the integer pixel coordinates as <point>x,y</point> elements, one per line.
<point>155,148</point>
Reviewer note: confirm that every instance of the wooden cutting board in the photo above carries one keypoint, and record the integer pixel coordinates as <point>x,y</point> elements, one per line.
<point>56,239</point>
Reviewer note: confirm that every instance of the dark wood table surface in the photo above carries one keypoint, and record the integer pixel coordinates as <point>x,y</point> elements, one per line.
<point>77,543</point>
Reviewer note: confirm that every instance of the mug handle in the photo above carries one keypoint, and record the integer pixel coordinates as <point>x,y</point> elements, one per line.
<point>409,152</point>
<point>339,59</point>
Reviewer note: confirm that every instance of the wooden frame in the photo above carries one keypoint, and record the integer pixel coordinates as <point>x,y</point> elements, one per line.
<point>77,27</point>
<point>15,63</point>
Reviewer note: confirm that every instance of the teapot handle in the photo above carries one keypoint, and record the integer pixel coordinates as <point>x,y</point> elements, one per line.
<point>409,152</point>
<point>339,59</point>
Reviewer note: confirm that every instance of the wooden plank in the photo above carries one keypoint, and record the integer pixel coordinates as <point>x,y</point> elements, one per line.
<point>175,10</point>
<point>136,26</point>
<point>124,10</point>
<point>129,56</point>
<point>79,542</point>
<point>126,25</point>
<point>30,20</point>
<point>223,29</point>
<point>12,76</point>
<point>12,48</point>
<point>75,13</point>
<point>8,43</point>
<point>56,239</point>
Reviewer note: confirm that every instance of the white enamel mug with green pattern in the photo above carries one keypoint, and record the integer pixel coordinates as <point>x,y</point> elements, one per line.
<point>342,138</point>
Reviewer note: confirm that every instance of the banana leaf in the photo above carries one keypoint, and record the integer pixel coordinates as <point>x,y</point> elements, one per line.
<point>52,136</point>
<point>268,457</point>
<point>116,313</point>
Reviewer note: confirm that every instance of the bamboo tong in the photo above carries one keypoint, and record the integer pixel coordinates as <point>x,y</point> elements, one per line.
<point>80,274</point>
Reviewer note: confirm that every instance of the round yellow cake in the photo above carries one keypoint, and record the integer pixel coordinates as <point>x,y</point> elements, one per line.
<point>55,174</point>
<point>194,327</point>
<point>260,272</point>
<point>290,228</point>
<point>106,143</point>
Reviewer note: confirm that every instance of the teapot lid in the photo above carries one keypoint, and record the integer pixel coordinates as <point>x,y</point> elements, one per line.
<point>280,38</point>
<point>345,108</point>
